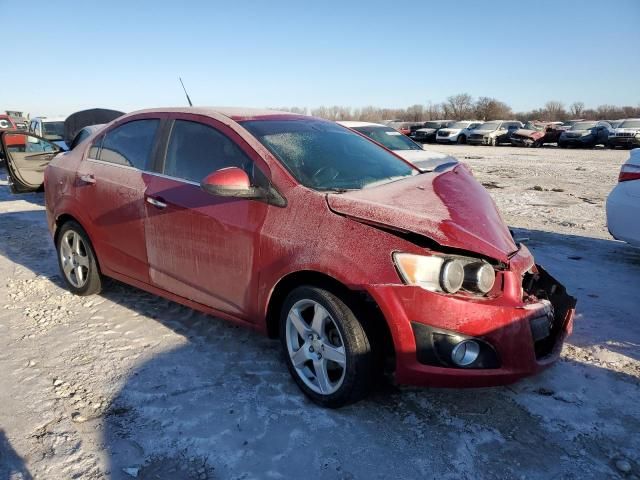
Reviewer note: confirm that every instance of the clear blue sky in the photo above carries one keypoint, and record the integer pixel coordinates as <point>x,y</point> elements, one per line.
<point>67,55</point>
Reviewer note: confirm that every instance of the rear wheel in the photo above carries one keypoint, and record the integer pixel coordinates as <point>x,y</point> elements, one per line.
<point>77,260</point>
<point>326,348</point>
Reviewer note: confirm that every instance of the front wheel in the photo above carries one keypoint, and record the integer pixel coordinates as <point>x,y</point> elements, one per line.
<point>462,139</point>
<point>326,348</point>
<point>77,260</point>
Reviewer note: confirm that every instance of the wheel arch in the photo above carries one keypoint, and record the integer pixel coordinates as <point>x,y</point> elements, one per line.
<point>67,217</point>
<point>363,305</point>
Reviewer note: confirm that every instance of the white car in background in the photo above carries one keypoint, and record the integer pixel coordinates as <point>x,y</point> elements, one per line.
<point>401,145</point>
<point>50,128</point>
<point>623,203</point>
<point>458,132</point>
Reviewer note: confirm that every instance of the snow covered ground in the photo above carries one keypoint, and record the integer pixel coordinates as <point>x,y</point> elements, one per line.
<point>126,384</point>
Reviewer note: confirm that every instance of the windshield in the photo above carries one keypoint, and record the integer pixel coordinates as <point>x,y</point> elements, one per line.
<point>583,126</point>
<point>630,124</point>
<point>489,126</point>
<point>53,130</point>
<point>325,156</point>
<point>460,125</point>
<point>389,137</point>
<point>432,125</point>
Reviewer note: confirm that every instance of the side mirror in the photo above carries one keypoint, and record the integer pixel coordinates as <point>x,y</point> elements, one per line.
<point>230,182</point>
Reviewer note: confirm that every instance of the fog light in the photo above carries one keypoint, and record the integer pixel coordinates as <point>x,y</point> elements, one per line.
<point>465,353</point>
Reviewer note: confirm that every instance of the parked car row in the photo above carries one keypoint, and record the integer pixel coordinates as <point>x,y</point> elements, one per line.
<point>573,133</point>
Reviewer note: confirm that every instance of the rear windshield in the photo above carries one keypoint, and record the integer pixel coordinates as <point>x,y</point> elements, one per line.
<point>326,156</point>
<point>53,130</point>
<point>390,138</point>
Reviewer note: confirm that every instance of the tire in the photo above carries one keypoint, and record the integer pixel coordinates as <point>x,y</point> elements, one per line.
<point>562,145</point>
<point>462,139</point>
<point>77,260</point>
<point>304,342</point>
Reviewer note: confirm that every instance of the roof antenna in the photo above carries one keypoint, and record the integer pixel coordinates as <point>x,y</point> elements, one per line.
<point>185,92</point>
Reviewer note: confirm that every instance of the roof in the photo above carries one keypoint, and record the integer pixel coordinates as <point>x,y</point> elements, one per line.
<point>234,113</point>
<point>352,124</point>
<point>50,119</point>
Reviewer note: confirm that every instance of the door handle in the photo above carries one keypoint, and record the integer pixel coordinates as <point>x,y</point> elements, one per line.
<point>87,178</point>
<point>156,203</point>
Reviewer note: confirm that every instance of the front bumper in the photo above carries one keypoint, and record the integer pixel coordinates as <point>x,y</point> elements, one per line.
<point>624,141</point>
<point>479,141</point>
<point>522,141</point>
<point>506,325</point>
<point>585,141</point>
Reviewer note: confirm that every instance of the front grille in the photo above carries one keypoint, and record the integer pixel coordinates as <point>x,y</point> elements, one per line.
<point>476,136</point>
<point>625,134</point>
<point>444,134</point>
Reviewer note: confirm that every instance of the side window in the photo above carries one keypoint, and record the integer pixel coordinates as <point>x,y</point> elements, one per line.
<point>130,144</point>
<point>94,150</point>
<point>195,150</point>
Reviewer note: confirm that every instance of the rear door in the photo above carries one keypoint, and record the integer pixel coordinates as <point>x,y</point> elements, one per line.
<point>200,246</point>
<point>27,156</point>
<point>111,184</point>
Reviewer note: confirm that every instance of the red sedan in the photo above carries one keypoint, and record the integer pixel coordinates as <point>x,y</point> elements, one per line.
<point>303,229</point>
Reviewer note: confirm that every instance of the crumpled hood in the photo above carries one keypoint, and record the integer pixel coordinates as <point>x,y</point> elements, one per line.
<point>525,132</point>
<point>425,160</point>
<point>451,208</point>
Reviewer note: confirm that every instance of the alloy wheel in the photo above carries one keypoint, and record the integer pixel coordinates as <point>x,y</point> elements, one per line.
<point>74,258</point>
<point>315,347</point>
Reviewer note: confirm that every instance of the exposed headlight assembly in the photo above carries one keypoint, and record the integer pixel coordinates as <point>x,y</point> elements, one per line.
<point>445,273</point>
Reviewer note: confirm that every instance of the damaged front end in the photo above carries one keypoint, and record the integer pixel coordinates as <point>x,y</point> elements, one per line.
<point>550,329</point>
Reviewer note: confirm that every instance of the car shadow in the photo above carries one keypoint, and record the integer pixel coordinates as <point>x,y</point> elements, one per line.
<point>221,403</point>
<point>12,466</point>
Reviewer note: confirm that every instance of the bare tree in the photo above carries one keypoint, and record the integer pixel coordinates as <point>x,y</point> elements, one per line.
<point>459,106</point>
<point>416,113</point>
<point>554,111</point>
<point>487,108</point>
<point>577,109</point>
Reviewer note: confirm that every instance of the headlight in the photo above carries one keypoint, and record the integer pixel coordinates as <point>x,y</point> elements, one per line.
<point>439,273</point>
<point>586,134</point>
<point>479,276</point>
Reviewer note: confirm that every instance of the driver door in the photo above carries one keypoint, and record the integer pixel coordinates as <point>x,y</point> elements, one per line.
<point>27,156</point>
